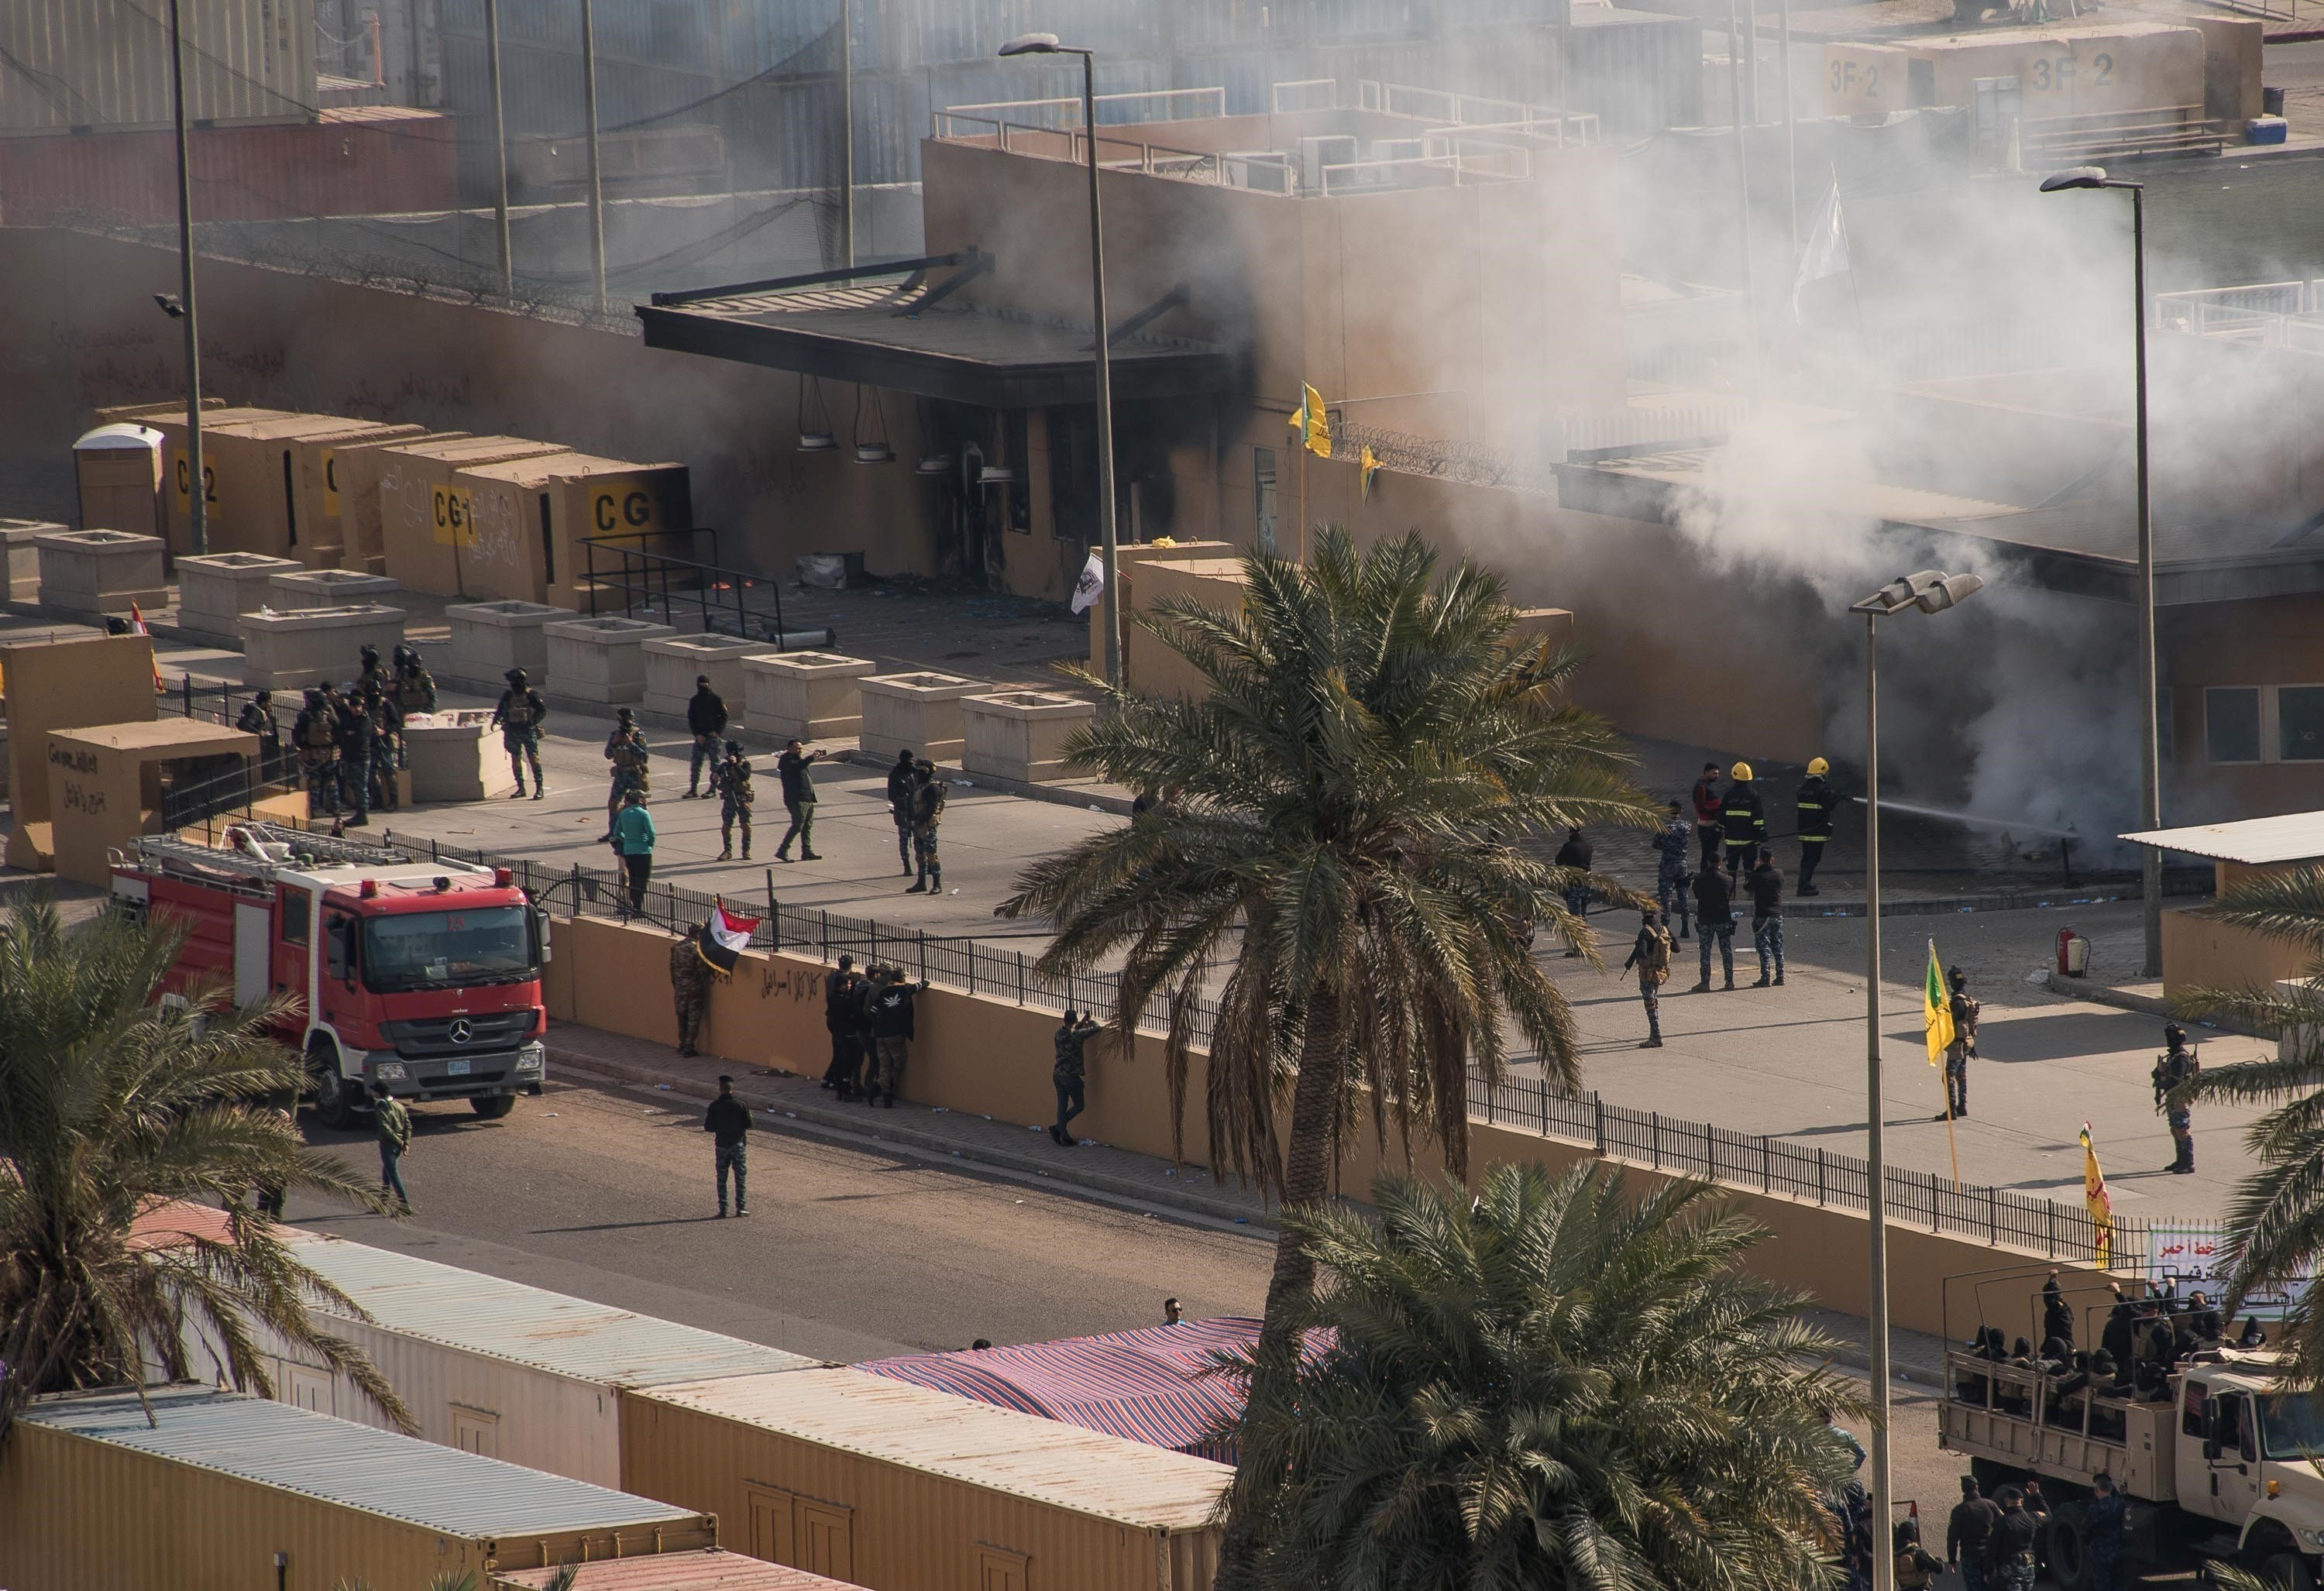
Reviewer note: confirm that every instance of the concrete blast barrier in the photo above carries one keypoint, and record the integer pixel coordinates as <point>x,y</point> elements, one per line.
<point>672,663</point>
<point>528,518</point>
<point>106,782</point>
<point>318,503</point>
<point>423,512</point>
<point>100,571</point>
<point>251,464</point>
<point>299,647</point>
<point>19,547</point>
<point>64,684</point>
<point>1020,735</point>
<point>214,590</point>
<point>329,588</point>
<point>177,470</point>
<point>456,755</point>
<point>489,638</point>
<point>600,660</point>
<point>117,470</point>
<point>806,696</point>
<point>916,711</point>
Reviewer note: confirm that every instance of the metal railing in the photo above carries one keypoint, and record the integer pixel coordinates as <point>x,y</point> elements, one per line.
<point>1206,105</point>
<point>2262,315</point>
<point>626,579</point>
<point>1264,170</point>
<point>1309,94</point>
<point>1477,112</point>
<point>1759,1163</point>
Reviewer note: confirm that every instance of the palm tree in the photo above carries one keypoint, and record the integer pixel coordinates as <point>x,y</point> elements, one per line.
<point>1343,828</point>
<point>1562,1382</point>
<point>2275,1225</point>
<point>113,1105</point>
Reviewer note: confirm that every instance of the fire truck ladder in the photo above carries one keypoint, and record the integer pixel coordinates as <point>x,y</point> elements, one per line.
<point>292,847</point>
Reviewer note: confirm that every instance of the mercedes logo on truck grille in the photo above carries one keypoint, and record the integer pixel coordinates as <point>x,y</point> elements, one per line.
<point>461,1032</point>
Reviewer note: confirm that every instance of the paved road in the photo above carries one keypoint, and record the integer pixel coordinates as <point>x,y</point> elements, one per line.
<point>851,1251</point>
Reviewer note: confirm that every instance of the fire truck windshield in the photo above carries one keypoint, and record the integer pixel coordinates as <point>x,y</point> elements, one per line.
<point>449,950</point>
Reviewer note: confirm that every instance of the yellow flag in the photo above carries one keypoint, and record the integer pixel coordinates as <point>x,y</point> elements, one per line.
<point>2099,1201</point>
<point>1936,1008</point>
<point>1309,421</point>
<point>1367,466</point>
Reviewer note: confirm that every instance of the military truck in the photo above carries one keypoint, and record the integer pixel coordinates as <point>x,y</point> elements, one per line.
<point>2218,1469</point>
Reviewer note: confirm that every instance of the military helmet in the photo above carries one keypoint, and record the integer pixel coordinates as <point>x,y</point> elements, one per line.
<point>368,653</point>
<point>515,676</point>
<point>924,766</point>
<point>625,716</point>
<point>1740,773</point>
<point>314,697</point>
<point>1818,768</point>
<point>734,748</point>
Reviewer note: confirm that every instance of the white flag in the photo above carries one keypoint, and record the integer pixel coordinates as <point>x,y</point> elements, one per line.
<point>1091,585</point>
<point>1826,254</point>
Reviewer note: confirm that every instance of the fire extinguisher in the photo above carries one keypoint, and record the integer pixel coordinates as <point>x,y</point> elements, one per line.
<point>2073,953</point>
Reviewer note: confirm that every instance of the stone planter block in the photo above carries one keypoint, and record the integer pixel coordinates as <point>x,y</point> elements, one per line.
<point>1020,735</point>
<point>297,649</point>
<point>100,571</point>
<point>489,638</point>
<point>331,588</point>
<point>214,590</point>
<point>919,713</point>
<point>20,545</point>
<point>600,660</point>
<point>671,665</point>
<point>456,755</point>
<point>810,696</point>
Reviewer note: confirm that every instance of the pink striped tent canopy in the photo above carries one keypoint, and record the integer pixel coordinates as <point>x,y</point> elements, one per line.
<point>1145,1385</point>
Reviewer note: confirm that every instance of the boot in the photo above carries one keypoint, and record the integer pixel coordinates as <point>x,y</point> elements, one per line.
<point>1656,1043</point>
<point>1700,986</point>
<point>1762,983</point>
<point>1730,983</point>
<point>1779,979</point>
<point>539,789</point>
<point>918,887</point>
<point>728,854</point>
<point>746,850</point>
<point>806,855</point>
<point>691,795</point>
<point>936,882</point>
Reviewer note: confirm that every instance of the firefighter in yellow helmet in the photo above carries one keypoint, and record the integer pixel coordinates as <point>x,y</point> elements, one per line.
<point>1744,819</point>
<point>1817,806</point>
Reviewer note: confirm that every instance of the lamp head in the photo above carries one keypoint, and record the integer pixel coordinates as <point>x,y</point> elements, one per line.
<point>2074,176</point>
<point>1947,591</point>
<point>168,305</point>
<point>1032,44</point>
<point>1932,591</point>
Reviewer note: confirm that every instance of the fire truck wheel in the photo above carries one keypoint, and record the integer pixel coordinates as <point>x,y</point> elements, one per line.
<point>493,1106</point>
<point>333,1105</point>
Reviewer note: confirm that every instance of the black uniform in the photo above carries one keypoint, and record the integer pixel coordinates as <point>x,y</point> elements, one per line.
<point>705,721</point>
<point>1816,805</point>
<point>843,1018</point>
<point>518,718</point>
<point>317,735</point>
<point>1714,923</point>
<point>352,730</point>
<point>2176,1067</point>
<point>258,719</point>
<point>731,1123</point>
<point>1743,818</point>
<point>901,781</point>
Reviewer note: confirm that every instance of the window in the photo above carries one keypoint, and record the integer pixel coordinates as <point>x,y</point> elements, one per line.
<point>477,1430</point>
<point>1262,477</point>
<point>428,949</point>
<point>339,947</point>
<point>298,910</point>
<point>2195,1422</point>
<point>2300,723</point>
<point>2231,724</point>
<point>1016,453</point>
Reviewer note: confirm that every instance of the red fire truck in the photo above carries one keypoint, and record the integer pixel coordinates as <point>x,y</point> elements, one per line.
<point>422,975</point>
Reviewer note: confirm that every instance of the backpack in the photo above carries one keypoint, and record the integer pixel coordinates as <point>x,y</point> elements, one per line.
<point>1656,963</point>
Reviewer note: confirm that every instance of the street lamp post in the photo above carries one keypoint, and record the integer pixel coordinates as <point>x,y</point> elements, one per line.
<point>1931,591</point>
<point>2150,767</point>
<point>1047,44</point>
<point>198,535</point>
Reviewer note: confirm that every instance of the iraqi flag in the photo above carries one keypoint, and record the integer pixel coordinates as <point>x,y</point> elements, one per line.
<point>723,938</point>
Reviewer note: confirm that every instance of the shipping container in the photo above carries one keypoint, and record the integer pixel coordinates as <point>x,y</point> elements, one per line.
<point>410,489</point>
<point>898,1488</point>
<point>493,1366</point>
<point>715,1570</point>
<point>318,506</point>
<point>364,161</point>
<point>226,1492</point>
<point>96,63</point>
<point>2074,71</point>
<point>251,469</point>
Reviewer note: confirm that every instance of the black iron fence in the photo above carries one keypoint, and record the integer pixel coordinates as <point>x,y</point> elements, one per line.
<point>1757,1162</point>
<point>623,576</point>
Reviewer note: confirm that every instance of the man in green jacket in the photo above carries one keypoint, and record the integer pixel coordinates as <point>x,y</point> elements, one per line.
<point>633,842</point>
<point>393,1123</point>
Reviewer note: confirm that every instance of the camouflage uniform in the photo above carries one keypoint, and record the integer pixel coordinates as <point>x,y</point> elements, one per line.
<point>730,781</point>
<point>928,812</point>
<point>689,985</point>
<point>518,718</point>
<point>625,749</point>
<point>414,692</point>
<point>386,748</point>
<point>316,734</point>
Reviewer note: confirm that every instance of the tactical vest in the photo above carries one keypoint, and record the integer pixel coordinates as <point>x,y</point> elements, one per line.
<point>516,709</point>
